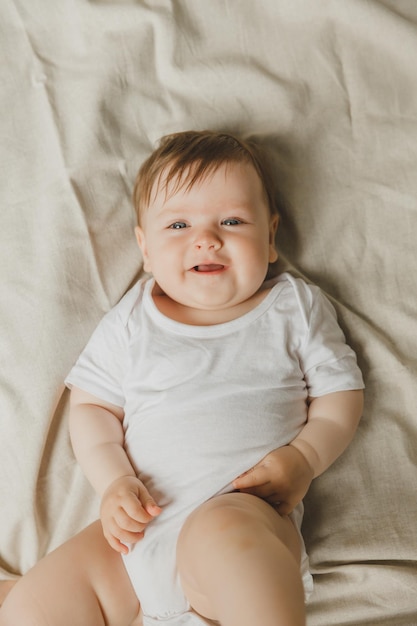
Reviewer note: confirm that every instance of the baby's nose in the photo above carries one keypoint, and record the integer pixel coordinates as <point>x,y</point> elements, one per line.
<point>208,240</point>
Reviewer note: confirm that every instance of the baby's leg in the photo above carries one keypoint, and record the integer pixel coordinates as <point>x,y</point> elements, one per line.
<point>5,587</point>
<point>82,583</point>
<point>239,563</point>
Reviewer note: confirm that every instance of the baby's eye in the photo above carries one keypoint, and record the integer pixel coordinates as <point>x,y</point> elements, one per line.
<point>232,221</point>
<point>178,225</point>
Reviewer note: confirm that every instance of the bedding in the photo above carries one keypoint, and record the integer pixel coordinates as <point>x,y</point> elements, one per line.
<point>330,89</point>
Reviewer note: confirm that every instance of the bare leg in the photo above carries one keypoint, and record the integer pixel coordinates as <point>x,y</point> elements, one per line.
<point>82,583</point>
<point>5,587</point>
<point>239,563</point>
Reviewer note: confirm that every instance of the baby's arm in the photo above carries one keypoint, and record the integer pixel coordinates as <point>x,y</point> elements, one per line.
<point>331,425</point>
<point>284,476</point>
<point>97,438</point>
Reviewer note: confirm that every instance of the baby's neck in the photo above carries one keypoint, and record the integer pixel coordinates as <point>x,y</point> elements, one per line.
<point>203,317</point>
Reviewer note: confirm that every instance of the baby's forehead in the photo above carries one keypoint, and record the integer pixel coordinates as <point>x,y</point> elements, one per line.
<point>175,177</point>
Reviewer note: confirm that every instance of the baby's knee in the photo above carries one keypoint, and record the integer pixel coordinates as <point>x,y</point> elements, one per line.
<point>222,513</point>
<point>232,521</point>
<point>221,520</point>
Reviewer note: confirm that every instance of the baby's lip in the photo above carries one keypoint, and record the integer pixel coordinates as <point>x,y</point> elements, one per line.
<point>208,267</point>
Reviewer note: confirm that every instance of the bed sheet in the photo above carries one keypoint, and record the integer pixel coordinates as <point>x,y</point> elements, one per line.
<point>330,89</point>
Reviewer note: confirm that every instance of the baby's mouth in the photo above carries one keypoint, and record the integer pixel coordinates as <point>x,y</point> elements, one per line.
<point>212,267</point>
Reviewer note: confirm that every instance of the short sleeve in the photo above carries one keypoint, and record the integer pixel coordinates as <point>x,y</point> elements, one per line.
<point>100,369</point>
<point>329,364</point>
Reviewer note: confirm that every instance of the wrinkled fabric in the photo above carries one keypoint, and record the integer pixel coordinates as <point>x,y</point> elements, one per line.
<point>330,89</point>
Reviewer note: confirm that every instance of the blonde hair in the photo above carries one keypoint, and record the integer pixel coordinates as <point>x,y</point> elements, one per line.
<point>189,156</point>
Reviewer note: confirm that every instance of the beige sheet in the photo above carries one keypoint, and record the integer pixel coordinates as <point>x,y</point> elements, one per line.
<point>331,88</point>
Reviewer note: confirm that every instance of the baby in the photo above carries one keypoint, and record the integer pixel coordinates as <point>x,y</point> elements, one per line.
<point>209,398</point>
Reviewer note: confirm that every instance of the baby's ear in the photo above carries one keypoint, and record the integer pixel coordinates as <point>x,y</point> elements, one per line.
<point>273,226</point>
<point>140,238</point>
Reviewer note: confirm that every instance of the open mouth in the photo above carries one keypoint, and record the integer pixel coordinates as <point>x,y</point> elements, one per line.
<point>212,267</point>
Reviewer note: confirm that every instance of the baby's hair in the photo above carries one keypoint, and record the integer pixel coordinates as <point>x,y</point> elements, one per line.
<point>189,156</point>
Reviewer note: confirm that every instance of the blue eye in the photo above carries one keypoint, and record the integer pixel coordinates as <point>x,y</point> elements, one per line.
<point>231,221</point>
<point>178,225</point>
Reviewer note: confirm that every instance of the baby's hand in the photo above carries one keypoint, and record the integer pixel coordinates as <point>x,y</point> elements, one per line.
<point>282,478</point>
<point>126,509</point>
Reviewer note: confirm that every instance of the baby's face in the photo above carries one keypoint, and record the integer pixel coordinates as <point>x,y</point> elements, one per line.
<point>209,247</point>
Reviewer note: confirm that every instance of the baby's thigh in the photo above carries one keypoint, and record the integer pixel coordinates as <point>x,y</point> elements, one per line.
<point>222,528</point>
<point>5,587</point>
<point>82,582</point>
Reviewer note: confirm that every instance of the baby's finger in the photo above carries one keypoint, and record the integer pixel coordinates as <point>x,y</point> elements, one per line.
<point>124,521</point>
<point>126,537</point>
<point>136,511</point>
<point>255,477</point>
<point>115,543</point>
<point>266,492</point>
<point>148,502</point>
<point>118,536</point>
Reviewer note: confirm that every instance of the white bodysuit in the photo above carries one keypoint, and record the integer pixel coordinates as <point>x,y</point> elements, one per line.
<point>203,404</point>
